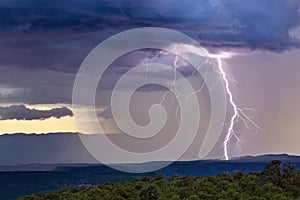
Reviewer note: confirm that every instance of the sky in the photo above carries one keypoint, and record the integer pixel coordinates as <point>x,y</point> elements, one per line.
<point>43,44</point>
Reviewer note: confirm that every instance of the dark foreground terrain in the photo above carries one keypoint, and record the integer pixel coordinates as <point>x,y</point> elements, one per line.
<point>26,179</point>
<point>34,179</point>
<point>276,180</point>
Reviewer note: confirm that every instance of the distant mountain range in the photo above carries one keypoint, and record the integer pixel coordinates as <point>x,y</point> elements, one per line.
<point>177,164</point>
<point>267,158</point>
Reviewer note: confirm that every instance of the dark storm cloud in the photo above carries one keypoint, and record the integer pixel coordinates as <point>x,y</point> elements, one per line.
<point>21,112</point>
<point>256,24</point>
<point>43,43</point>
<point>57,35</point>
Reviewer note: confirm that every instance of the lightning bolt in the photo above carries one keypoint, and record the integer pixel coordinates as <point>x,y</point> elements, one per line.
<point>239,114</point>
<point>234,117</point>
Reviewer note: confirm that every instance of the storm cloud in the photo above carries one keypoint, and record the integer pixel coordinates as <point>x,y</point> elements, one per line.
<point>45,42</point>
<point>21,112</point>
<point>258,24</point>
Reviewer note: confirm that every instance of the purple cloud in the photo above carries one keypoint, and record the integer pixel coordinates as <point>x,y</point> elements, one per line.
<point>21,112</point>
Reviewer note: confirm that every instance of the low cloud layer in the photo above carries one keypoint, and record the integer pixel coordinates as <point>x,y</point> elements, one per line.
<point>21,112</point>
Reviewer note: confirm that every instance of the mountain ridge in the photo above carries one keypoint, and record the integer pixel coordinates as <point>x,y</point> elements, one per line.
<point>64,166</point>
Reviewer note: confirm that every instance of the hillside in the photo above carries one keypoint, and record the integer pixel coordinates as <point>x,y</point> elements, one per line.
<point>275,181</point>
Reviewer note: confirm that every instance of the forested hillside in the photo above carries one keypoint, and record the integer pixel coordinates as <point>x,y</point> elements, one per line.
<point>277,180</point>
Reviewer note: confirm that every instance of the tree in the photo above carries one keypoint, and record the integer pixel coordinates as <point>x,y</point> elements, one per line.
<point>149,193</point>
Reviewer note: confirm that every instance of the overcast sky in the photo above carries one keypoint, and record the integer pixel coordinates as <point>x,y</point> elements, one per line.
<point>43,44</point>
